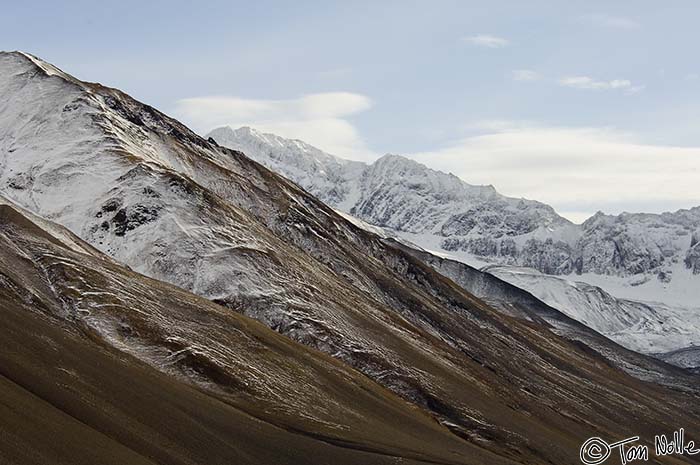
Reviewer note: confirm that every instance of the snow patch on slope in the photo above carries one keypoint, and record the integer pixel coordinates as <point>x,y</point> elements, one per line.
<point>647,327</point>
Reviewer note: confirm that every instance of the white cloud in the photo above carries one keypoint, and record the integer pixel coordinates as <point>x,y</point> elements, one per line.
<point>526,75</point>
<point>319,119</point>
<point>577,170</point>
<point>585,82</point>
<point>486,40</point>
<point>615,22</point>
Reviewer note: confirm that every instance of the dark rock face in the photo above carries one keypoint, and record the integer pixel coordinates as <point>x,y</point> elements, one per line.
<point>692,257</point>
<point>20,182</point>
<point>481,246</point>
<point>459,225</point>
<point>626,245</point>
<point>494,219</point>
<point>128,219</point>
<point>548,256</point>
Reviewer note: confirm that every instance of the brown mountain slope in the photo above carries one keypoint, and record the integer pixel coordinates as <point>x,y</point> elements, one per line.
<point>225,389</point>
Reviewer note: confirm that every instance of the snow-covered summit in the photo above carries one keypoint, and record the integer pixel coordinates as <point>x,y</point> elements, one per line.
<point>322,174</point>
<point>394,191</point>
<point>47,68</point>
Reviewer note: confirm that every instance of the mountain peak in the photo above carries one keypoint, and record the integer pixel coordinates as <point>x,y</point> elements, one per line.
<point>382,192</point>
<point>248,131</point>
<point>40,65</point>
<point>394,158</point>
<point>252,141</point>
<point>395,161</point>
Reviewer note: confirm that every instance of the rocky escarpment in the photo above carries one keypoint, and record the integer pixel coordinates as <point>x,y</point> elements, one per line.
<point>692,257</point>
<point>624,245</point>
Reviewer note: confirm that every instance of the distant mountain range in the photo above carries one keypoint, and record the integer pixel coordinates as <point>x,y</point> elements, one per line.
<point>652,258</point>
<point>398,193</point>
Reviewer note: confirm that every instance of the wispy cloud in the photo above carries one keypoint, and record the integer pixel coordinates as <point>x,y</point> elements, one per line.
<point>319,119</point>
<point>615,22</point>
<point>487,40</point>
<point>588,83</point>
<point>526,75</point>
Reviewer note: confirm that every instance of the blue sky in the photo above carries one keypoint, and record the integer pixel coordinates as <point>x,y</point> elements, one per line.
<point>590,105</point>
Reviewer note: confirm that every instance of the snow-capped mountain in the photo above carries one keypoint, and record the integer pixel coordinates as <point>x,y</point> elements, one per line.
<point>395,192</point>
<point>326,176</point>
<point>142,188</point>
<point>442,212</point>
<point>648,262</point>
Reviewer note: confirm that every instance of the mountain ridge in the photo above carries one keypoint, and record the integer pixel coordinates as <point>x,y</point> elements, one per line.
<point>484,225</point>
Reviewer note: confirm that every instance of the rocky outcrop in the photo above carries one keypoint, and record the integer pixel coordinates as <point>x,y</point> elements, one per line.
<point>692,257</point>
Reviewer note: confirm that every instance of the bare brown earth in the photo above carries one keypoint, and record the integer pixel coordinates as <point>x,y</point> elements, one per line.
<point>68,396</point>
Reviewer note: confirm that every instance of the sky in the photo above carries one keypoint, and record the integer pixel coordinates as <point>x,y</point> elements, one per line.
<point>585,105</point>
